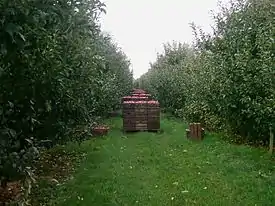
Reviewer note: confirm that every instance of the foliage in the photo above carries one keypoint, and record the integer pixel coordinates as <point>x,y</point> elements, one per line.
<point>57,70</point>
<point>228,80</point>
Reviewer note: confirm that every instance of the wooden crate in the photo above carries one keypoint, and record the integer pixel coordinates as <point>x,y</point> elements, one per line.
<point>134,115</point>
<point>195,131</point>
<point>141,115</point>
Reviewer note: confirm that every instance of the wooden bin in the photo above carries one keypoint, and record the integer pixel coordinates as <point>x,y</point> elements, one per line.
<point>195,131</point>
<point>139,114</point>
<point>134,115</point>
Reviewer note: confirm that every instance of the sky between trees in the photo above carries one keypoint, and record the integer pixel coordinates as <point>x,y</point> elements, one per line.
<point>141,27</point>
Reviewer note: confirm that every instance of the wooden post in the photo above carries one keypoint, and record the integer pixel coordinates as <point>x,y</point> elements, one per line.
<point>199,131</point>
<point>271,140</point>
<point>195,131</point>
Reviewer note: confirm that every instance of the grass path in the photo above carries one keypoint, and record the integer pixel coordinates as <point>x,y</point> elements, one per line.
<point>167,169</point>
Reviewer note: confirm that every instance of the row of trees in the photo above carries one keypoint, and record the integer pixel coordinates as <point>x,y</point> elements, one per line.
<point>58,70</point>
<point>226,80</point>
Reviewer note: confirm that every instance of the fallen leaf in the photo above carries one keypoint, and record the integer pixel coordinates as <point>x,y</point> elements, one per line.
<point>175,183</point>
<point>54,180</point>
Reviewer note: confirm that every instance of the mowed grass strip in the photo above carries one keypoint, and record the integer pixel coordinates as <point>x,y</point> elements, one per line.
<point>167,169</point>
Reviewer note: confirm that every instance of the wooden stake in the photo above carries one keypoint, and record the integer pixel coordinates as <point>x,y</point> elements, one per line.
<point>271,141</point>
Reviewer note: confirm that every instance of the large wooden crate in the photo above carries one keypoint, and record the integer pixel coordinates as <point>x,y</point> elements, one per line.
<point>134,115</point>
<point>141,116</point>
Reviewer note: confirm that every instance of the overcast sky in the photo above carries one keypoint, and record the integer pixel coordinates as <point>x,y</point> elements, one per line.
<point>140,27</point>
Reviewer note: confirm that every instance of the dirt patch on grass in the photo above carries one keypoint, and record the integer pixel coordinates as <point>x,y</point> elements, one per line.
<point>12,192</point>
<point>53,169</point>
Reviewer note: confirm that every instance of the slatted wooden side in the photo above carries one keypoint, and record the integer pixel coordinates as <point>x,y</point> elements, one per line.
<point>141,116</point>
<point>153,115</point>
<point>195,131</point>
<point>128,113</point>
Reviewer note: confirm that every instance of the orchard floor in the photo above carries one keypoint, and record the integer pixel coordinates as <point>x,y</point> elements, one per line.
<point>163,169</point>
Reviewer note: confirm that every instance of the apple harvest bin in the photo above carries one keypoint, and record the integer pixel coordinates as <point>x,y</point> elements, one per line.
<point>100,130</point>
<point>141,115</point>
<point>138,91</point>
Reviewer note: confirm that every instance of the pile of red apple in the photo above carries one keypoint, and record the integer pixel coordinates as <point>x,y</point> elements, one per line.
<point>153,102</point>
<point>135,97</point>
<point>135,102</point>
<point>142,102</point>
<point>139,97</point>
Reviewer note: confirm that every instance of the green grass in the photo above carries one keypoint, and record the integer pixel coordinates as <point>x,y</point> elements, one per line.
<point>166,169</point>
